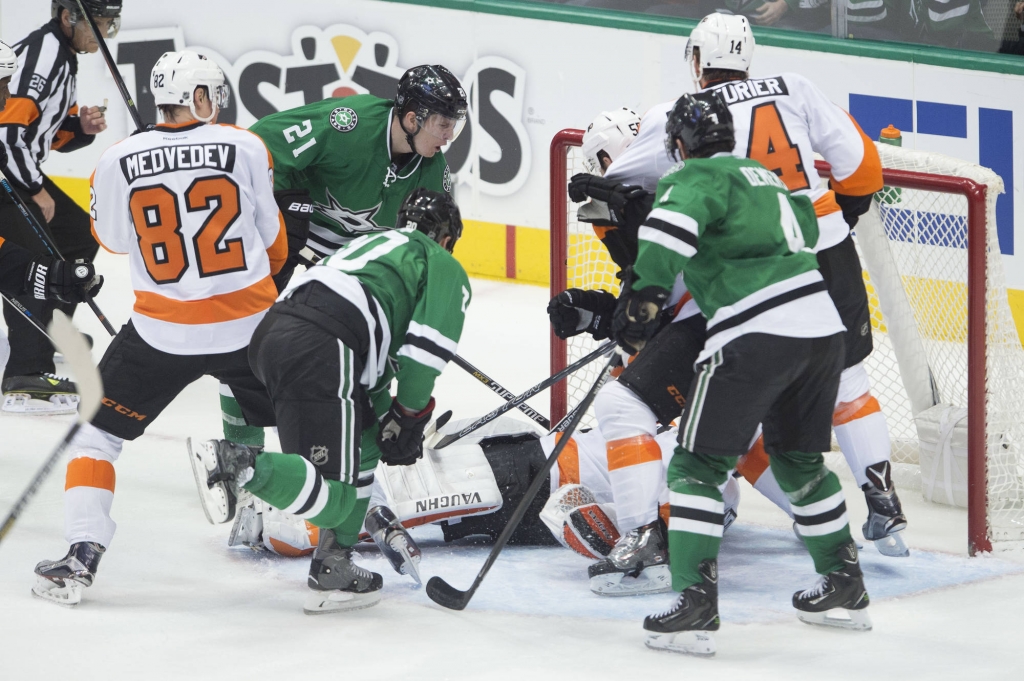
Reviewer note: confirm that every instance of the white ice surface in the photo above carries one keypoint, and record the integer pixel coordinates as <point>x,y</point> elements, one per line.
<point>172,602</point>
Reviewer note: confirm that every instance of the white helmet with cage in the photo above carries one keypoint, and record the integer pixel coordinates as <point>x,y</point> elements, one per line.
<point>8,61</point>
<point>611,132</point>
<point>724,41</point>
<point>176,75</point>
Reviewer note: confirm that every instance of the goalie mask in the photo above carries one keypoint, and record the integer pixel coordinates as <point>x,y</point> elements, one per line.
<point>699,121</point>
<point>176,75</point>
<point>437,98</point>
<point>609,135</point>
<point>433,213</point>
<point>722,41</point>
<point>8,61</point>
<point>99,9</point>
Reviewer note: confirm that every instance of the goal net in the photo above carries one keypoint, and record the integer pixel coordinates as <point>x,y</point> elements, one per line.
<point>947,366</point>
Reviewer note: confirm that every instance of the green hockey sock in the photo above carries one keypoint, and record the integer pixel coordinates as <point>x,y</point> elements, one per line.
<point>235,427</point>
<point>696,512</point>
<point>819,507</point>
<point>347,531</point>
<point>290,483</point>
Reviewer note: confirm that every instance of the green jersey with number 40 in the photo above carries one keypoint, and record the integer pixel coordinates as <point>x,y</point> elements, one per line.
<point>744,247</point>
<point>339,149</point>
<point>423,293</point>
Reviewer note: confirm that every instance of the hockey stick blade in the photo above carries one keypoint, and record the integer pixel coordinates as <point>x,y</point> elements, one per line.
<point>446,595</point>
<point>90,390</point>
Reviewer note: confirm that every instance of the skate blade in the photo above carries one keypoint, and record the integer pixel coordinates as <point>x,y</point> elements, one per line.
<point>697,643</point>
<point>324,602</point>
<point>214,500</point>
<point>67,595</point>
<point>410,563</point>
<point>247,529</point>
<point>653,580</point>
<point>840,618</point>
<point>893,546</point>
<point>23,403</point>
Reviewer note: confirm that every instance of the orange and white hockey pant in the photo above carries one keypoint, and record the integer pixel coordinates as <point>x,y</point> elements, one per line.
<point>89,486</point>
<point>635,470</point>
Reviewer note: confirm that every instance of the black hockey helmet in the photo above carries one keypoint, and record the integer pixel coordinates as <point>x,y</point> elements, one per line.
<point>433,213</point>
<point>437,98</point>
<point>700,121</point>
<point>97,8</point>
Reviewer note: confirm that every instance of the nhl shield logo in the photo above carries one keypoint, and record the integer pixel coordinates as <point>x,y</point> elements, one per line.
<point>446,181</point>
<point>344,119</point>
<point>318,455</point>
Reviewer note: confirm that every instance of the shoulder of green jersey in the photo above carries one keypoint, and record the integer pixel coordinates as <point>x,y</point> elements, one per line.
<point>672,230</point>
<point>343,119</point>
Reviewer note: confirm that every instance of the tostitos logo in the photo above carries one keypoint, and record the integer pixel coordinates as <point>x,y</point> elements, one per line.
<point>344,119</point>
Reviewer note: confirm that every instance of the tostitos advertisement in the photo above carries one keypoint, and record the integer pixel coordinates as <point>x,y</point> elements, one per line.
<point>526,79</point>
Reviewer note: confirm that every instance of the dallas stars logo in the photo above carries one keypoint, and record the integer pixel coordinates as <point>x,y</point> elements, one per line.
<point>356,221</point>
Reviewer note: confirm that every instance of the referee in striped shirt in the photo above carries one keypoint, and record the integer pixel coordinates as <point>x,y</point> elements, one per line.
<point>43,115</point>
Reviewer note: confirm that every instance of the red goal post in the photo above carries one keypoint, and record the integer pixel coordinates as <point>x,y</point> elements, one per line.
<point>978,244</point>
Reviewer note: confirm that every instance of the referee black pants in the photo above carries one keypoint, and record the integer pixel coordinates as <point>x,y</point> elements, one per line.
<point>31,353</point>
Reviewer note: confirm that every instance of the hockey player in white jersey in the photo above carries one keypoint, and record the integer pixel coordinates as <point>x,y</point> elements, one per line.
<point>191,203</point>
<point>781,121</point>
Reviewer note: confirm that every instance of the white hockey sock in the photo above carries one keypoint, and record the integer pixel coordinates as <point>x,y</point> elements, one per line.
<point>89,486</point>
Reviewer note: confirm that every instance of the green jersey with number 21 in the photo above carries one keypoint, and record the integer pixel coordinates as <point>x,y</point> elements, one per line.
<point>339,149</point>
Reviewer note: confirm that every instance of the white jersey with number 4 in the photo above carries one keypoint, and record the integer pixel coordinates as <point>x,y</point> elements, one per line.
<point>193,207</point>
<point>779,121</point>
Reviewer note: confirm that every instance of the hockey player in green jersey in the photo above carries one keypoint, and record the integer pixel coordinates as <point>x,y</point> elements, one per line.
<point>385,306</point>
<point>773,355</point>
<point>359,156</point>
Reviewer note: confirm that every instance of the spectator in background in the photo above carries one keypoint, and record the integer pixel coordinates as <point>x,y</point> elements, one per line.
<point>953,23</point>
<point>1016,46</point>
<point>889,20</point>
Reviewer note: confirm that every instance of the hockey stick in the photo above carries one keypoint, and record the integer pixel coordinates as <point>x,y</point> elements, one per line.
<point>512,404</point>
<point>118,80</point>
<point>443,593</point>
<point>50,246</point>
<point>90,388</point>
<point>500,390</point>
<point>13,302</point>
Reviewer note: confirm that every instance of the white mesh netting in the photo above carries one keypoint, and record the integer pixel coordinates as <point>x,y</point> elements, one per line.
<point>925,241</point>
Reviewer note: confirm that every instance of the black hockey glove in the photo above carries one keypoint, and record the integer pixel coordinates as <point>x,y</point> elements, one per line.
<point>68,282</point>
<point>583,186</point>
<point>297,208</point>
<point>853,207</point>
<point>577,310</point>
<point>401,435</point>
<point>637,317</point>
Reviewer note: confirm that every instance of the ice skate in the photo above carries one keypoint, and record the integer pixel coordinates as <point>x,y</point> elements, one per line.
<point>61,581</point>
<point>885,521</point>
<point>394,541</point>
<point>39,394</point>
<point>247,529</point>
<point>220,468</point>
<point>336,583</point>
<point>686,627</point>
<point>839,598</point>
<point>638,564</point>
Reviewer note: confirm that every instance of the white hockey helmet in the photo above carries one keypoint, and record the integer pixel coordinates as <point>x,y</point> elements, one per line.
<point>176,75</point>
<point>8,61</point>
<point>725,42</point>
<point>611,132</point>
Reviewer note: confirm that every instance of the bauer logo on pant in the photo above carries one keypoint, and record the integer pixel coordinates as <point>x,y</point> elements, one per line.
<point>344,119</point>
<point>318,455</point>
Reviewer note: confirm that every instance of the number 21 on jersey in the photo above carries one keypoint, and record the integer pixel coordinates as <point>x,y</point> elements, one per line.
<point>156,216</point>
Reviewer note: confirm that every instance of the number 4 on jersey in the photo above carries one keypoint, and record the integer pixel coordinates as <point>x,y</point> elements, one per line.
<point>771,146</point>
